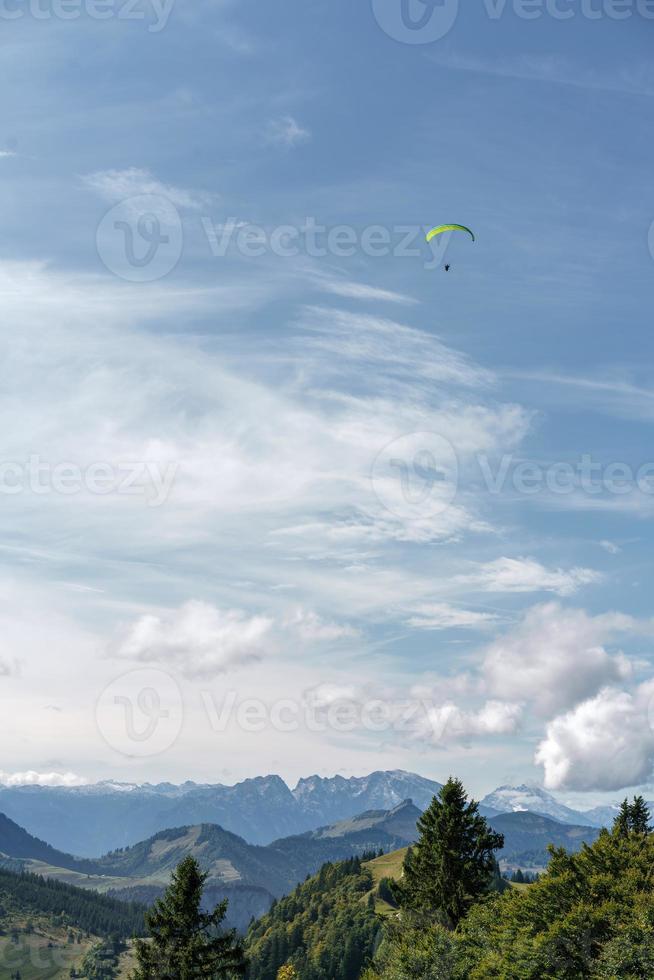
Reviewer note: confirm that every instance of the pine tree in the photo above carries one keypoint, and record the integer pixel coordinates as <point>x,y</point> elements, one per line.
<point>640,816</point>
<point>185,942</point>
<point>622,821</point>
<point>633,818</point>
<point>451,865</point>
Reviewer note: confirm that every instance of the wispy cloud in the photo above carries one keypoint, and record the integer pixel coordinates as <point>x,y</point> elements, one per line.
<point>287,132</point>
<point>441,616</point>
<point>359,291</point>
<point>527,575</point>
<point>555,70</point>
<point>118,185</point>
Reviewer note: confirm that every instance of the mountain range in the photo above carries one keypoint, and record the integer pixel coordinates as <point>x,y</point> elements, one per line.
<point>251,876</point>
<point>533,799</point>
<point>96,819</point>
<point>91,820</point>
<point>513,799</point>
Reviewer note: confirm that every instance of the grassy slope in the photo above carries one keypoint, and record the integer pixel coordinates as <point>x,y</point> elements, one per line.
<point>386,866</point>
<point>45,954</point>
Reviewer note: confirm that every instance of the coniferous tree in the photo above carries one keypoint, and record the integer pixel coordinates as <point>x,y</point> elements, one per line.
<point>633,818</point>
<point>451,866</point>
<point>622,821</point>
<point>186,943</point>
<point>640,816</point>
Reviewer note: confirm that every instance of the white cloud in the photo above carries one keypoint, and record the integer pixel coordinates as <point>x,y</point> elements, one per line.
<point>197,638</point>
<point>414,715</point>
<point>527,575</point>
<point>441,616</point>
<point>325,695</point>
<point>311,628</point>
<point>555,657</point>
<point>610,547</point>
<point>287,132</point>
<point>393,347</point>
<point>450,723</point>
<point>31,778</point>
<point>360,291</point>
<point>201,640</point>
<point>118,185</point>
<point>266,453</point>
<point>605,743</point>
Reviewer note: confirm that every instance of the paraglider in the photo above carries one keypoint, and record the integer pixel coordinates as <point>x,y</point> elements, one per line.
<point>441,229</point>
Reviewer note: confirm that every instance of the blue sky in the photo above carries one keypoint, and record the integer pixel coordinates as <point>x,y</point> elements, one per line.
<point>253,417</point>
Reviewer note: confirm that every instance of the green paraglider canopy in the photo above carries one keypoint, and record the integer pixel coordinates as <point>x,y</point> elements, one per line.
<point>441,229</point>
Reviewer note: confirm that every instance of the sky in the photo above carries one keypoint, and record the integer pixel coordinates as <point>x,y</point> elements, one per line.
<point>279,493</point>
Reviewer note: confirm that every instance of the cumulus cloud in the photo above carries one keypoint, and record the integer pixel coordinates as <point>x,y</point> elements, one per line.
<point>555,657</point>
<point>450,723</point>
<point>604,743</point>
<point>441,616</point>
<point>527,575</point>
<point>32,778</point>
<point>197,638</point>
<point>201,640</point>
<point>413,716</point>
<point>287,132</point>
<point>118,185</point>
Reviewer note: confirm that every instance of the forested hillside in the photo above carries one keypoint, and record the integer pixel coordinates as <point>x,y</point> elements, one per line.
<point>591,915</point>
<point>325,930</point>
<point>28,894</point>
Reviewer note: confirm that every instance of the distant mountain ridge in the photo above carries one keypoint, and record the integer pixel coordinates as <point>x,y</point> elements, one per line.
<point>251,876</point>
<point>91,820</point>
<point>527,836</point>
<point>94,819</point>
<point>532,799</point>
<point>18,845</point>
